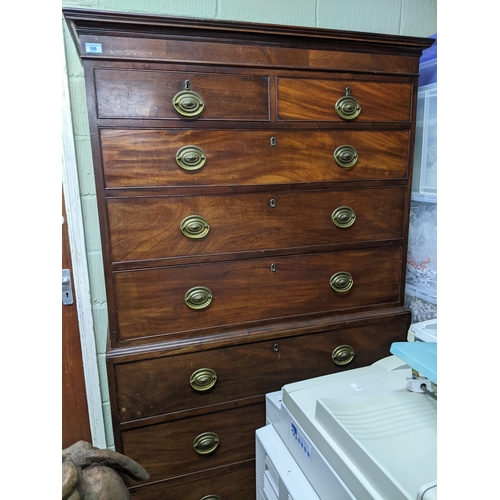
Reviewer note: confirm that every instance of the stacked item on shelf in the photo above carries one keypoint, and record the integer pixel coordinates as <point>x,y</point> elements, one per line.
<point>421,266</point>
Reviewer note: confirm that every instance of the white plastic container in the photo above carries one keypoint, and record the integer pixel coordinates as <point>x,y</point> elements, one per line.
<point>424,186</point>
<point>424,331</point>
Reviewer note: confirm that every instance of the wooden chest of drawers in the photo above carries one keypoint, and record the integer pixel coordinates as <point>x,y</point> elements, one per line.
<point>253,193</point>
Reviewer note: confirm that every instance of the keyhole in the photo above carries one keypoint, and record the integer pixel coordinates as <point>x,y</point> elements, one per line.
<point>273,141</point>
<point>187,85</point>
<point>272,202</point>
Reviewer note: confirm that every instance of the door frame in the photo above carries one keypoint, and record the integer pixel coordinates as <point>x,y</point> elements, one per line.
<point>80,267</point>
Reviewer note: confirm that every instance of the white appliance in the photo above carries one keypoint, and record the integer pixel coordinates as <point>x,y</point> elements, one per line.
<point>280,478</point>
<point>366,434</point>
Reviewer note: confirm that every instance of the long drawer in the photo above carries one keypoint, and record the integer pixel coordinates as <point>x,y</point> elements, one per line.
<point>175,383</point>
<point>177,157</point>
<point>144,228</point>
<point>166,301</point>
<point>183,447</point>
<point>233,485</point>
<point>204,96</point>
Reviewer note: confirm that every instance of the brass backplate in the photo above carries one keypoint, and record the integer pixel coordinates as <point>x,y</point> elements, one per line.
<point>188,104</point>
<point>206,443</point>
<point>203,379</point>
<point>195,227</point>
<point>198,297</point>
<point>342,355</point>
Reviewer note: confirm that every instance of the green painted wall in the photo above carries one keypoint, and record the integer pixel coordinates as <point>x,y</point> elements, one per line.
<point>398,17</point>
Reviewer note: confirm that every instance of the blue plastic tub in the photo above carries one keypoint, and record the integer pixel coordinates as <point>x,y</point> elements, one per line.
<point>428,64</point>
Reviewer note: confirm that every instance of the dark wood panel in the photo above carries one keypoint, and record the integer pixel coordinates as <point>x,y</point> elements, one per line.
<point>159,386</point>
<point>234,485</point>
<point>148,157</point>
<point>349,61</point>
<point>234,54</point>
<point>85,21</point>
<point>166,450</point>
<point>199,52</point>
<point>149,94</point>
<point>315,99</point>
<point>152,302</point>
<point>145,228</point>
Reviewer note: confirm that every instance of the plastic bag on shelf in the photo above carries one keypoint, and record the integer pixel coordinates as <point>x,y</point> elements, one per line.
<point>421,310</point>
<point>421,268</point>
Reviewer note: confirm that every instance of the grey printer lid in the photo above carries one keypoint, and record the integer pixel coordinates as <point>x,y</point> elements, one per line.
<point>377,435</point>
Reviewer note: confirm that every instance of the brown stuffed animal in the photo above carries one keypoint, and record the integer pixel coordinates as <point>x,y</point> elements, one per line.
<point>89,473</point>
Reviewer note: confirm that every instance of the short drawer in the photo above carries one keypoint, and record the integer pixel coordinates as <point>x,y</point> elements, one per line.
<point>234,485</point>
<point>175,383</point>
<point>181,95</point>
<point>166,301</point>
<point>319,99</point>
<point>169,157</point>
<point>144,228</point>
<point>168,450</point>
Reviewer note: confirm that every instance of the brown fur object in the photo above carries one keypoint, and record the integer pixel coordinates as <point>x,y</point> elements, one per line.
<point>90,473</point>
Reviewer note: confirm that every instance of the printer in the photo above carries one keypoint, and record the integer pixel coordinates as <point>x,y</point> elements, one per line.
<point>363,434</point>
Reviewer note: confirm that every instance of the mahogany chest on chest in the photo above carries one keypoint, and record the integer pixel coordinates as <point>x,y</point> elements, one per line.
<point>253,193</point>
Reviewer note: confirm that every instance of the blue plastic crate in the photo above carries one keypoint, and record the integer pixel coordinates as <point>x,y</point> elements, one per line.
<point>428,64</point>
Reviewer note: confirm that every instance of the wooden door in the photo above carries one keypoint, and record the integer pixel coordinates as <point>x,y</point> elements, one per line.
<point>75,415</point>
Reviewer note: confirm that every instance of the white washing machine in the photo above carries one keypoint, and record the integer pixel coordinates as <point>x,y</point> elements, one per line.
<point>366,434</point>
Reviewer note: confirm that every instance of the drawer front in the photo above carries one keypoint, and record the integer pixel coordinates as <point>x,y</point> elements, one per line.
<point>147,158</point>
<point>154,302</point>
<point>166,450</point>
<point>234,485</point>
<point>315,99</point>
<point>145,228</point>
<point>150,94</point>
<point>176,383</point>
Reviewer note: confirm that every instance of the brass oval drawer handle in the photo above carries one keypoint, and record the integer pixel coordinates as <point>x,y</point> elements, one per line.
<point>195,227</point>
<point>187,103</point>
<point>346,156</point>
<point>203,379</point>
<point>206,443</point>
<point>190,158</point>
<point>343,217</point>
<point>347,107</point>
<point>198,297</point>
<point>342,355</point>
<point>211,497</point>
<point>341,282</point>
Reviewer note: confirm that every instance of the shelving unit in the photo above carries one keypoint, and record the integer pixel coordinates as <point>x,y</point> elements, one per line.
<point>421,266</point>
